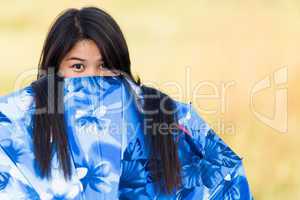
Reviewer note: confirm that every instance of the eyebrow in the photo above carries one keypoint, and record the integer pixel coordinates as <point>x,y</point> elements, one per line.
<point>81,59</point>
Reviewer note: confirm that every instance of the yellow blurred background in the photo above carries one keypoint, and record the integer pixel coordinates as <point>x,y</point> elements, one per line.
<point>229,47</point>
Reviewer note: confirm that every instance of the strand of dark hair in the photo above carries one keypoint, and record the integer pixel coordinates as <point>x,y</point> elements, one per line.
<point>160,111</point>
<point>49,129</point>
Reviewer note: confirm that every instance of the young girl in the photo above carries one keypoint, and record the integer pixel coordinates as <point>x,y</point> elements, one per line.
<point>86,129</point>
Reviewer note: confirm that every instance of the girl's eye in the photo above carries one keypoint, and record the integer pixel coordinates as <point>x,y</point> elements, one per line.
<point>102,65</point>
<point>78,67</point>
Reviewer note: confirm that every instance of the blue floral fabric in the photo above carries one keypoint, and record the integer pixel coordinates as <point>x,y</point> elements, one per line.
<point>108,148</point>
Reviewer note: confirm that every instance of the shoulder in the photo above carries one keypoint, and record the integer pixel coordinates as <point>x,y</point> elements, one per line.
<point>15,105</point>
<point>206,159</point>
<point>15,119</point>
<point>205,137</point>
<point>188,115</point>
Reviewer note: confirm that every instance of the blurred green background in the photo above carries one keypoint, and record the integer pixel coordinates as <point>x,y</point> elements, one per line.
<point>219,43</point>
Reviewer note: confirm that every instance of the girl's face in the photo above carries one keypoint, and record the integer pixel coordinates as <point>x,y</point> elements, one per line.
<point>84,59</point>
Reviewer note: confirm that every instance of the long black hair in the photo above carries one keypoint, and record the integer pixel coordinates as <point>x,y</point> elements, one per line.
<point>49,130</point>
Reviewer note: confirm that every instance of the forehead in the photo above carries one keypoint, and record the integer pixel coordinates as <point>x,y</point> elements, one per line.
<point>86,49</point>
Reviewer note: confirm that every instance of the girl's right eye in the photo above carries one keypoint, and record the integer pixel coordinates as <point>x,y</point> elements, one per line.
<point>78,67</point>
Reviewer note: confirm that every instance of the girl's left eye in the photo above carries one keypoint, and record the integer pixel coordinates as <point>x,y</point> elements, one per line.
<point>78,67</point>
<point>101,65</point>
